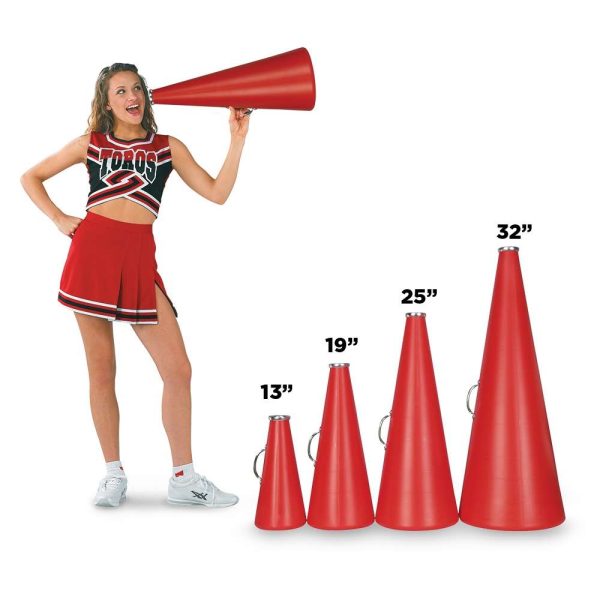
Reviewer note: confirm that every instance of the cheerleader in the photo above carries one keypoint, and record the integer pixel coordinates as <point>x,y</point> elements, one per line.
<point>111,273</point>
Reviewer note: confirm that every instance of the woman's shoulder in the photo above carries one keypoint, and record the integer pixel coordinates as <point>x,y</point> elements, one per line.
<point>73,152</point>
<point>81,144</point>
<point>84,140</point>
<point>175,143</point>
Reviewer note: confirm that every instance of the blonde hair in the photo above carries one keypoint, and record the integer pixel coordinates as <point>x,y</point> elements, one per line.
<point>101,119</point>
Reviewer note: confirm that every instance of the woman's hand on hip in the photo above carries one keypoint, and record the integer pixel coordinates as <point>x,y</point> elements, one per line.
<point>67,224</point>
<point>238,122</point>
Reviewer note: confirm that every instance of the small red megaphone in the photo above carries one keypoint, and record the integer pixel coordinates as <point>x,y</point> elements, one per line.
<point>285,81</point>
<point>280,504</point>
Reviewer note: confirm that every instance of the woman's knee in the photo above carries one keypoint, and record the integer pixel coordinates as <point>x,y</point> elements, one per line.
<point>178,373</point>
<point>97,335</point>
<point>102,372</point>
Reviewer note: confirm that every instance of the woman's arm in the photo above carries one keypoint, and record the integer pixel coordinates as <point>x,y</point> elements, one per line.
<point>214,189</point>
<point>32,181</point>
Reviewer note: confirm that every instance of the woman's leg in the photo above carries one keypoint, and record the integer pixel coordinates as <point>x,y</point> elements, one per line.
<point>99,344</point>
<point>165,345</point>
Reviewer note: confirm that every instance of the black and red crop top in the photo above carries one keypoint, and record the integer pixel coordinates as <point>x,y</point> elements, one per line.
<point>133,169</point>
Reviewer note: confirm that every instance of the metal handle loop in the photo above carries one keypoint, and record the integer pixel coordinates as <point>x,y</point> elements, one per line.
<point>254,467</point>
<point>380,426</point>
<point>469,399</point>
<point>309,443</point>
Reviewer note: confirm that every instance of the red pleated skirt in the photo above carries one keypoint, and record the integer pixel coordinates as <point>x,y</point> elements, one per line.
<point>111,271</point>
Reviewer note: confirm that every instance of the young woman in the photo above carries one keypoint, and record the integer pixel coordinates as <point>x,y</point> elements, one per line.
<point>111,272</point>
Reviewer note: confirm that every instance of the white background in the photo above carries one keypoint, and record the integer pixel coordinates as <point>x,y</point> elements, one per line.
<point>434,122</point>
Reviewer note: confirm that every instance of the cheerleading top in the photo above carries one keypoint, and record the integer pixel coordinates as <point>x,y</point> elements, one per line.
<point>133,169</point>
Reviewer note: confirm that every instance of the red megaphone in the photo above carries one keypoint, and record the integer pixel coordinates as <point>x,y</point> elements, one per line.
<point>284,81</point>
<point>280,504</point>
<point>340,496</point>
<point>510,480</point>
<point>416,486</point>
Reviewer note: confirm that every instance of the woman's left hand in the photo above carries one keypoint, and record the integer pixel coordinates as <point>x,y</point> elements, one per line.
<point>238,122</point>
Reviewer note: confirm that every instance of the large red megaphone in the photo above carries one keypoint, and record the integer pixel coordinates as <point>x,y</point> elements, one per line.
<point>284,81</point>
<point>510,481</point>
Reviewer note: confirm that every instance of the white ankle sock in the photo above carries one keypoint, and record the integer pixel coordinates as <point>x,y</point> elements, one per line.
<point>183,472</point>
<point>114,469</point>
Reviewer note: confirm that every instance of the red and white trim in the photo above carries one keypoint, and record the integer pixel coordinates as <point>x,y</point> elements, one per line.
<point>131,144</point>
<point>128,197</point>
<point>110,312</point>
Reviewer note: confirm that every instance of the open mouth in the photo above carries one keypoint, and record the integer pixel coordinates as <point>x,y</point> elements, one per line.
<point>134,109</point>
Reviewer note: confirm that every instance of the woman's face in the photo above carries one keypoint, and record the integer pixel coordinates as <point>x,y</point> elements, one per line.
<point>126,97</point>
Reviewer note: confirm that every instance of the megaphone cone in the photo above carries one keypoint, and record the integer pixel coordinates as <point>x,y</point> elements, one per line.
<point>510,479</point>
<point>284,81</point>
<point>280,504</point>
<point>340,496</point>
<point>416,487</point>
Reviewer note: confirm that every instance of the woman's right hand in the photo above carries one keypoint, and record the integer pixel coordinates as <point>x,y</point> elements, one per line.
<point>67,224</point>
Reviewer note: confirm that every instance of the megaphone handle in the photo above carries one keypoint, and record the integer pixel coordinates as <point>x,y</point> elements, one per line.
<point>249,111</point>
<point>381,425</point>
<point>309,443</point>
<point>469,399</point>
<point>254,467</point>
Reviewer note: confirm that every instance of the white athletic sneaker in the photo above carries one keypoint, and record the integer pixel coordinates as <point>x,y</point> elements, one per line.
<point>199,491</point>
<point>111,491</point>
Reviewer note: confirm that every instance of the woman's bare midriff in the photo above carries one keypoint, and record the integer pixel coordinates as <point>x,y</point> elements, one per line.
<point>122,209</point>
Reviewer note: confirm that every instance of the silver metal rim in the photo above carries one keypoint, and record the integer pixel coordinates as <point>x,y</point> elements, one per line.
<point>279,417</point>
<point>416,314</point>
<point>338,365</point>
<point>508,249</point>
<point>150,96</point>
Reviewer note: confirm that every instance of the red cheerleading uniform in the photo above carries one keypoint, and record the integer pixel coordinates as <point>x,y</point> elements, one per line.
<point>111,269</point>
